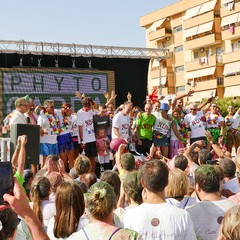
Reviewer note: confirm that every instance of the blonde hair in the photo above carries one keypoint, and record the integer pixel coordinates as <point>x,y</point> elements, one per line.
<point>40,190</point>
<point>177,184</point>
<point>82,165</point>
<point>101,200</point>
<point>230,225</point>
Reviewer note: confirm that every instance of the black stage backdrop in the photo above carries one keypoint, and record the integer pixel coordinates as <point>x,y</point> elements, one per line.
<point>130,74</point>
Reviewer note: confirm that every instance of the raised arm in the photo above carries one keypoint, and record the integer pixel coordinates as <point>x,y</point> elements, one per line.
<point>174,103</point>
<point>20,205</point>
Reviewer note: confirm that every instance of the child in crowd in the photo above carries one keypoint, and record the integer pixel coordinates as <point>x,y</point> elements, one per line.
<point>102,143</point>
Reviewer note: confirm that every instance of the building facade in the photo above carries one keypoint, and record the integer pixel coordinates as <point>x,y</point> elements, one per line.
<point>204,41</point>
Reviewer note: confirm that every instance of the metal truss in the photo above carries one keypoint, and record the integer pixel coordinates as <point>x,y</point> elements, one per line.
<point>77,50</point>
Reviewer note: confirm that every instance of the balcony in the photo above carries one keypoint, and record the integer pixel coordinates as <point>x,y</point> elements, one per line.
<point>155,72</point>
<point>198,64</point>
<point>227,35</point>
<point>205,85</point>
<point>225,12</point>
<point>231,56</point>
<point>231,81</point>
<point>204,18</point>
<point>207,40</point>
<point>160,34</point>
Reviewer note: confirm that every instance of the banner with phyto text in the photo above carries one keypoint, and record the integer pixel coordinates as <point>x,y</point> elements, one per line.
<point>59,85</point>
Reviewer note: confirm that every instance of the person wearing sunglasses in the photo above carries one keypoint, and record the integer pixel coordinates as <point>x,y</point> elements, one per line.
<point>195,121</point>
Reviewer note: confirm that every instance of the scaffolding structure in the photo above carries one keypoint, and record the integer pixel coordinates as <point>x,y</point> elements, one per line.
<point>77,50</point>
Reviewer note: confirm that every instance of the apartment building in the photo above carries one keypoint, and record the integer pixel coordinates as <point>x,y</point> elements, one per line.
<point>204,41</point>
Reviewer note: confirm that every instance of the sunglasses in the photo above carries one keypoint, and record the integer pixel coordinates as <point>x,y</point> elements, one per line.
<point>193,109</point>
<point>51,106</point>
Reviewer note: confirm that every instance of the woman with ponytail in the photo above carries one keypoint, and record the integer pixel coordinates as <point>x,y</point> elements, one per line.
<point>40,203</point>
<point>101,201</point>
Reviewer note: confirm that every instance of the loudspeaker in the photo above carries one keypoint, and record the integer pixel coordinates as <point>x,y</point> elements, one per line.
<point>33,140</point>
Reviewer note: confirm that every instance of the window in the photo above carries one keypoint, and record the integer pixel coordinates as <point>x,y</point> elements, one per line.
<point>236,46</point>
<point>178,49</point>
<point>180,89</point>
<point>177,29</point>
<point>179,68</point>
<point>164,44</point>
<point>195,55</point>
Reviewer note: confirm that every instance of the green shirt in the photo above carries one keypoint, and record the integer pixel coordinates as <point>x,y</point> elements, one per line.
<point>145,126</point>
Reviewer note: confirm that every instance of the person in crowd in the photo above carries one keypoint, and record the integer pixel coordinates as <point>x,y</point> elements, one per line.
<point>39,196</point>
<point>113,179</point>
<point>230,225</point>
<point>208,181</point>
<point>55,179</point>
<point>196,154</point>
<point>161,129</point>
<point>50,129</point>
<point>155,218</point>
<point>70,207</point>
<point>101,201</point>
<point>121,123</point>
<point>101,120</point>
<point>54,164</point>
<point>181,162</point>
<point>28,178</point>
<point>179,133</point>
<point>83,166</point>
<point>178,103</point>
<point>132,188</point>
<point>196,120</point>
<point>214,124</point>
<point>19,204</point>
<point>177,189</point>
<point>125,162</point>
<point>102,143</point>
<point>231,128</point>
<point>9,222</point>
<point>144,130</point>
<point>64,139</point>
<point>230,180</point>
<point>31,116</point>
<point>21,107</point>
<point>86,130</point>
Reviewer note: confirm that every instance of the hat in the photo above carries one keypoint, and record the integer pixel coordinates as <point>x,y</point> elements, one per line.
<point>164,106</point>
<point>27,97</point>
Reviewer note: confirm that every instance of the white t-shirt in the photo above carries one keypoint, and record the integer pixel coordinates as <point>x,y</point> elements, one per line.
<point>213,120</point>
<point>160,221</point>
<point>196,124</point>
<point>44,123</point>
<point>17,118</point>
<point>162,125</point>
<point>232,185</point>
<point>207,216</point>
<point>85,119</point>
<point>236,121</point>
<point>185,202</point>
<point>122,123</point>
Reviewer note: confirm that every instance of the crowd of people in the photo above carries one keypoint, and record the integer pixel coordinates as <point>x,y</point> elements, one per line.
<point>164,172</point>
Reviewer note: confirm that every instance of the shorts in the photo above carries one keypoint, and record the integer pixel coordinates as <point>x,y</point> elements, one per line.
<point>91,149</point>
<point>65,142</point>
<point>47,149</point>
<point>192,140</point>
<point>161,142</point>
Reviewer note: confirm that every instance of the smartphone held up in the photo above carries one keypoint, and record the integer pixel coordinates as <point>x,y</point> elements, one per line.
<point>6,180</point>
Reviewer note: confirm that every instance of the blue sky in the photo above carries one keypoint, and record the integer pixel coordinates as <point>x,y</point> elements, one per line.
<point>95,22</point>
